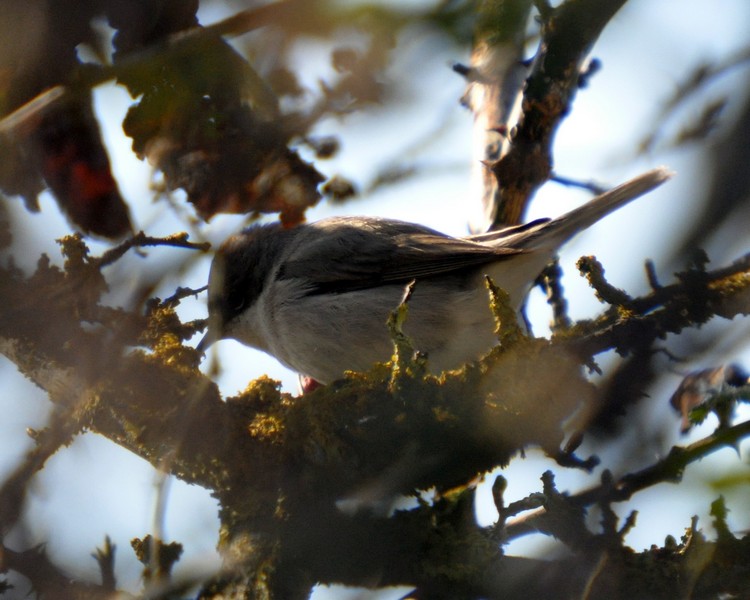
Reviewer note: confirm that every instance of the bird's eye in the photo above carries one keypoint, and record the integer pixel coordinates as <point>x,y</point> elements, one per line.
<point>239,304</point>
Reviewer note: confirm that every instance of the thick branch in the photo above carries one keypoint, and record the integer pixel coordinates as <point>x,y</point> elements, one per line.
<point>495,80</point>
<point>568,34</point>
<point>279,465</point>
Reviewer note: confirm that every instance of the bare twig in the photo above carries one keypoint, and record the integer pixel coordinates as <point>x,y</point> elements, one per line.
<point>105,558</point>
<point>671,308</point>
<point>177,240</point>
<point>593,271</point>
<point>696,81</point>
<point>48,580</point>
<point>549,279</point>
<point>668,470</point>
<point>653,279</point>
<point>591,186</point>
<point>182,293</point>
<point>58,433</point>
<point>27,117</point>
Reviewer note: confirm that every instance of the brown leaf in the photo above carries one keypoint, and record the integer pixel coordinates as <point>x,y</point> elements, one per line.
<point>70,156</point>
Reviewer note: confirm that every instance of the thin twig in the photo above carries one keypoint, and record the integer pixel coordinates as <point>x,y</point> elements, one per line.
<point>696,81</point>
<point>591,186</point>
<point>140,239</point>
<point>105,558</point>
<point>181,293</point>
<point>58,433</point>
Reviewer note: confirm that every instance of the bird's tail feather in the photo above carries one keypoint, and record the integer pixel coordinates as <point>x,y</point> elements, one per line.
<point>555,232</point>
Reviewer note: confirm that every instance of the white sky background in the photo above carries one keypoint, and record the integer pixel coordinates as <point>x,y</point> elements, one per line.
<point>94,488</point>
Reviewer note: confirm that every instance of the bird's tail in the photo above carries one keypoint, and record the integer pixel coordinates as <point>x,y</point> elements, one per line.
<point>553,233</point>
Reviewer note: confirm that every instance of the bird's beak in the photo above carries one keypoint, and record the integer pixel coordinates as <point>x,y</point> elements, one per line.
<point>208,339</point>
<point>204,344</point>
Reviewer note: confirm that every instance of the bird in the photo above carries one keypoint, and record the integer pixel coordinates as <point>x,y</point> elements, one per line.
<point>699,386</point>
<point>317,296</point>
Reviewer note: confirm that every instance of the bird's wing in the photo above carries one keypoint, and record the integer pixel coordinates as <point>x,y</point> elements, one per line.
<point>345,254</point>
<point>342,255</point>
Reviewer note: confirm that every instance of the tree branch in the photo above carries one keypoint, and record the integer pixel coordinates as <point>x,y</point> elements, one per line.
<point>141,240</point>
<point>668,470</point>
<point>362,440</point>
<point>568,34</point>
<point>694,300</point>
<point>495,80</point>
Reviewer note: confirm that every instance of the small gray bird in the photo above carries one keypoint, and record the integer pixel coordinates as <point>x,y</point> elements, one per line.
<point>317,296</point>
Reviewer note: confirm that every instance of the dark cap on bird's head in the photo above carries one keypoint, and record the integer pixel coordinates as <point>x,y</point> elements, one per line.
<point>238,273</point>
